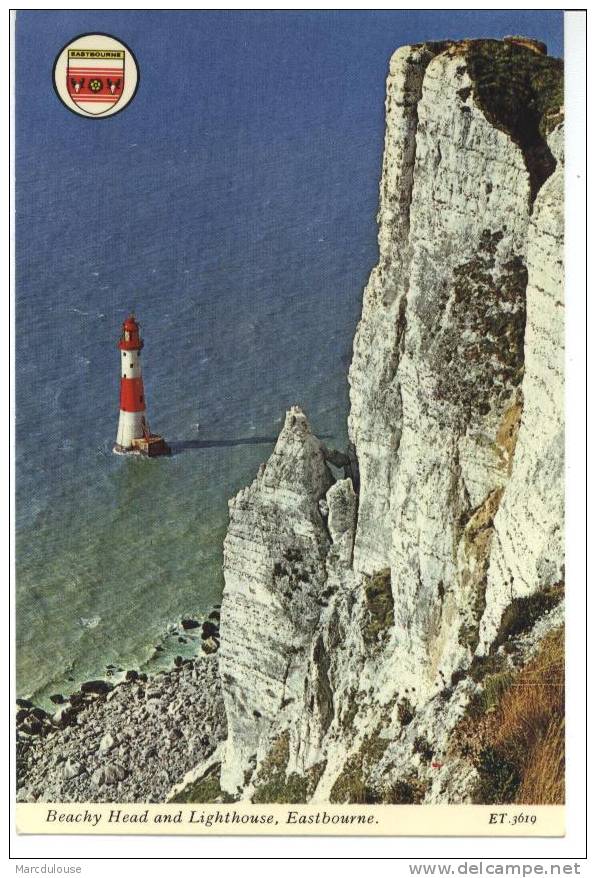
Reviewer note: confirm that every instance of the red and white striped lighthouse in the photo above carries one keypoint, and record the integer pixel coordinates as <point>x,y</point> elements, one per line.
<point>134,435</point>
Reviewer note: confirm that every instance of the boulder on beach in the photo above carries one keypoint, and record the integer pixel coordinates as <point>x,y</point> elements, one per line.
<point>64,715</point>
<point>210,629</point>
<point>71,769</point>
<point>107,743</point>
<point>187,624</point>
<point>24,702</point>
<point>210,645</point>
<point>110,773</point>
<point>96,687</point>
<point>32,726</point>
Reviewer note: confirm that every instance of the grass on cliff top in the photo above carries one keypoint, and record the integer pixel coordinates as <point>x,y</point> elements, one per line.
<point>518,745</point>
<point>518,86</point>
<point>521,92</point>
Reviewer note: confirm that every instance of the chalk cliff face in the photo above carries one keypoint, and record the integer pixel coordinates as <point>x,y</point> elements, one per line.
<point>274,557</point>
<point>529,535</point>
<point>353,608</point>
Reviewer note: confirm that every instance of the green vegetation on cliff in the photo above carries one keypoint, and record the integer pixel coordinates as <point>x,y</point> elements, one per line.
<point>379,604</point>
<point>206,789</point>
<point>273,784</point>
<point>520,90</point>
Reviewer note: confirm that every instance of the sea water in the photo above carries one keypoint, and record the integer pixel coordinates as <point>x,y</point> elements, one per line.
<point>232,207</point>
<point>238,325</point>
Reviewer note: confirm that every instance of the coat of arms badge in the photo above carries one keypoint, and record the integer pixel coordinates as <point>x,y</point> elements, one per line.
<point>95,75</point>
<point>95,78</point>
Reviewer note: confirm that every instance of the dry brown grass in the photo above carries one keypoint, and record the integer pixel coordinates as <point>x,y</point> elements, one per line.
<point>530,725</point>
<point>518,743</point>
<point>534,697</point>
<point>544,782</point>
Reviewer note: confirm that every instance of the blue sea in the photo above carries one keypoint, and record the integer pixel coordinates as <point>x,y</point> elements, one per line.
<point>232,207</point>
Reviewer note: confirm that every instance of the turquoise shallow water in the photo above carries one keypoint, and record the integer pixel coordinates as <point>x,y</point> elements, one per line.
<point>232,205</point>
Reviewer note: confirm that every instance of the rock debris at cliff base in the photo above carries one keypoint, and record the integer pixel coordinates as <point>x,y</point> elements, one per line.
<point>129,743</point>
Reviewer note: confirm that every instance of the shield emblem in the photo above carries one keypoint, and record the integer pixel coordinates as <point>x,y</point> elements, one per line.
<point>95,78</point>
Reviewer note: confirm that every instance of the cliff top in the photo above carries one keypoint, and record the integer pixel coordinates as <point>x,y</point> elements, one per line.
<point>520,90</point>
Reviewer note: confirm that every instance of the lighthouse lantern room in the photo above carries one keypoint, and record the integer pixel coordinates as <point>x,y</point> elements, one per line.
<point>134,436</point>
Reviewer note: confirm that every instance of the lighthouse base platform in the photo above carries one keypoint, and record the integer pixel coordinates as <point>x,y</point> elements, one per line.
<point>145,446</point>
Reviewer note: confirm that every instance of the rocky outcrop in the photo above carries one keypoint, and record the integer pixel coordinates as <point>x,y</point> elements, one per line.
<point>353,610</point>
<point>274,560</point>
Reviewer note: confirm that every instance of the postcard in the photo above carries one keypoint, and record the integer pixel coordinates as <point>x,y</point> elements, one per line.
<point>290,370</point>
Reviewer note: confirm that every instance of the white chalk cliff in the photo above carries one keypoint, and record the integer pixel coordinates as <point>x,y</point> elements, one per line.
<point>353,608</point>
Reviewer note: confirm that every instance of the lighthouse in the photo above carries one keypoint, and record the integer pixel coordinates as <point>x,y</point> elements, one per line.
<point>134,436</point>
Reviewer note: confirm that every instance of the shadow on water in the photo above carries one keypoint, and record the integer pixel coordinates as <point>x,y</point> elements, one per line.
<point>197,444</point>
